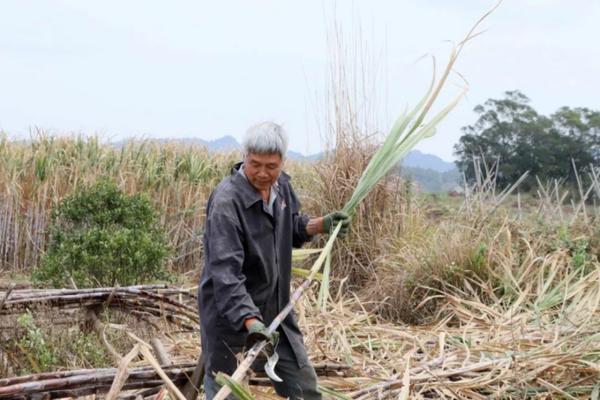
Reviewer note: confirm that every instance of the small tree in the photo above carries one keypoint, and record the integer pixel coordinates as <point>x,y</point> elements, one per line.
<point>102,237</point>
<point>512,132</point>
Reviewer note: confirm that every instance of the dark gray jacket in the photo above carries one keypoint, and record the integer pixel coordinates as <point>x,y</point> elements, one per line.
<point>247,267</point>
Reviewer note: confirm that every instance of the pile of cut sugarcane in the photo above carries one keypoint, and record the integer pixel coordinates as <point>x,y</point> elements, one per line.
<point>140,381</point>
<point>146,302</point>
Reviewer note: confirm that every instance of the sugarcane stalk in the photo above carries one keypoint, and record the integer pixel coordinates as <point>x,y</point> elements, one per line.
<point>138,372</point>
<point>98,389</point>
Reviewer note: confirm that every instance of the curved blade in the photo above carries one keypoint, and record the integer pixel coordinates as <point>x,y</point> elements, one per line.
<point>270,367</point>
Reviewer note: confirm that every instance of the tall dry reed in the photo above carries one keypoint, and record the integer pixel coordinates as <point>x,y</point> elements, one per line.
<point>35,175</point>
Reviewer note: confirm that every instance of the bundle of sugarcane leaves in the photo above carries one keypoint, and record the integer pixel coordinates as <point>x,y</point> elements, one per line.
<point>145,302</point>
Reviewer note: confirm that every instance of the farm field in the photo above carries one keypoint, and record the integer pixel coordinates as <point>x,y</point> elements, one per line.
<point>490,294</point>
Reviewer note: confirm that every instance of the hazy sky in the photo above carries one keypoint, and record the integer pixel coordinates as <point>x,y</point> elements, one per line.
<point>207,69</point>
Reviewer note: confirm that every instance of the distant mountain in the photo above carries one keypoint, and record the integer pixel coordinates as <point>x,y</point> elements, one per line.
<point>294,155</point>
<point>429,180</point>
<point>226,143</point>
<point>421,166</point>
<point>223,144</point>
<point>416,159</point>
<point>431,173</point>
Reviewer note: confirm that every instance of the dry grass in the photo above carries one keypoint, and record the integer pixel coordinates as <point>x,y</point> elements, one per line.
<point>403,247</point>
<point>500,303</point>
<point>535,336</point>
<point>36,175</point>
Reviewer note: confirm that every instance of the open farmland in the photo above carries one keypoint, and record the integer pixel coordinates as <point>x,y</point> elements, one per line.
<point>473,298</point>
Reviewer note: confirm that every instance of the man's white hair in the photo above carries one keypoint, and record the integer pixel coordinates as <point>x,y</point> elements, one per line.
<point>265,138</point>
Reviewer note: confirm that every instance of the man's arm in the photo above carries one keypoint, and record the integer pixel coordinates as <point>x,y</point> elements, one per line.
<point>225,258</point>
<point>305,227</point>
<point>314,226</point>
<point>300,223</point>
<point>327,223</point>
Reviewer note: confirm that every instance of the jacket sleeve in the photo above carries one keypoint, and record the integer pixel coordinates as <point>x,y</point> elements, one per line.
<point>299,222</point>
<point>225,257</point>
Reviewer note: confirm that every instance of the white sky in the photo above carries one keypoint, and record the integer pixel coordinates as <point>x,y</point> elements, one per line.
<point>207,69</point>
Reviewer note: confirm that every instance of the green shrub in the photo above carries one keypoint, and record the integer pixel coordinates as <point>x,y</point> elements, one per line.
<point>42,348</point>
<point>88,351</point>
<point>102,237</point>
<point>34,345</point>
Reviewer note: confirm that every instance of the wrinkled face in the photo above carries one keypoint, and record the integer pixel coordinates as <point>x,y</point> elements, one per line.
<point>262,170</point>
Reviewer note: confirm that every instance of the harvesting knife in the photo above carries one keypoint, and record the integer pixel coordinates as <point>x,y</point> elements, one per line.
<point>270,367</point>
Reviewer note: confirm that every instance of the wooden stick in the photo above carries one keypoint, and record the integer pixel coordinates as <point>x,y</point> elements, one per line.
<point>192,387</point>
<point>168,382</point>
<point>161,353</point>
<point>122,373</point>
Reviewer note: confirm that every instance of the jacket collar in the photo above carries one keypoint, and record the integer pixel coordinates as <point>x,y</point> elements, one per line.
<point>250,195</point>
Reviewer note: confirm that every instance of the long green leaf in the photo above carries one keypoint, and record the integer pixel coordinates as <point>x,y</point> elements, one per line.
<point>304,273</point>
<point>333,393</point>
<point>303,254</point>
<point>324,290</point>
<point>385,150</point>
<point>236,389</point>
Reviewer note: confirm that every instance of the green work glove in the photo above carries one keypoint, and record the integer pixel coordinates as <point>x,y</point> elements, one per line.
<point>330,221</point>
<point>258,332</point>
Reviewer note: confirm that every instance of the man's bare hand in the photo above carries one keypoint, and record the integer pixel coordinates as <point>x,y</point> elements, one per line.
<point>248,323</point>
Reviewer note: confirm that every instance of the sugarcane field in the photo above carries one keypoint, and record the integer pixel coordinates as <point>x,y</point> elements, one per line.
<point>317,200</point>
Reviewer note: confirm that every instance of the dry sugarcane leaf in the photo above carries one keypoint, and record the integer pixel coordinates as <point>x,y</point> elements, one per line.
<point>122,373</point>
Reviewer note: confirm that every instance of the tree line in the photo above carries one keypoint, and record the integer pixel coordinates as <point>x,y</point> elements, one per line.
<point>511,132</point>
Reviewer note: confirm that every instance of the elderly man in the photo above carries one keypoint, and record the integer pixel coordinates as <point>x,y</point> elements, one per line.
<point>253,221</point>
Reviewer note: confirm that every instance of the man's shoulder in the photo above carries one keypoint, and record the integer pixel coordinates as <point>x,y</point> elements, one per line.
<point>284,182</point>
<point>225,191</point>
<point>284,177</point>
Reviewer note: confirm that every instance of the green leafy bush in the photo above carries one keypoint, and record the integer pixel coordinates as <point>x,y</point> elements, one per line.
<point>88,351</point>
<point>41,348</point>
<point>102,237</point>
<point>34,345</point>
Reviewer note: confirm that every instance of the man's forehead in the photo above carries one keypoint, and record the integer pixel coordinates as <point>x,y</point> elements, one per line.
<point>264,158</point>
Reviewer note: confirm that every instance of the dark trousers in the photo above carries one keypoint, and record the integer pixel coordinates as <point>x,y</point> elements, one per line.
<point>298,383</point>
